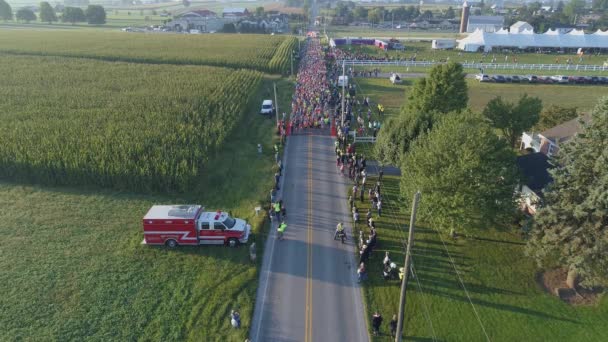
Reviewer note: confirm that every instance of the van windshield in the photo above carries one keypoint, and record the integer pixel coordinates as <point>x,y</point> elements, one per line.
<point>229,222</point>
<point>266,106</point>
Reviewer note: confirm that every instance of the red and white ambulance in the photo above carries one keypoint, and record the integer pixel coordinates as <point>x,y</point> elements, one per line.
<point>173,225</point>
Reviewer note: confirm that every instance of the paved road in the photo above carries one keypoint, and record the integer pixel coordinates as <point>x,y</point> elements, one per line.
<point>308,289</point>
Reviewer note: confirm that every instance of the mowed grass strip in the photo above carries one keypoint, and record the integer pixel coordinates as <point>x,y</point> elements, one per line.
<point>583,97</point>
<point>499,278</point>
<point>127,126</point>
<point>74,268</point>
<point>224,50</point>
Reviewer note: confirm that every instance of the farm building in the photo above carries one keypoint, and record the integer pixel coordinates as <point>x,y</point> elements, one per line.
<point>520,26</point>
<point>551,39</point>
<point>202,20</point>
<point>235,12</point>
<point>535,169</point>
<point>485,23</point>
<point>549,141</point>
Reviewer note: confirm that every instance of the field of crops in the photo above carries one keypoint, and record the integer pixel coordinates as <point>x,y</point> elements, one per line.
<point>125,126</point>
<point>260,52</point>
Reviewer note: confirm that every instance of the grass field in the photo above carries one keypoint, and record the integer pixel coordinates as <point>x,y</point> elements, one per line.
<point>74,269</point>
<point>259,52</point>
<point>127,126</point>
<point>583,97</point>
<point>499,279</point>
<point>355,31</point>
<point>423,52</point>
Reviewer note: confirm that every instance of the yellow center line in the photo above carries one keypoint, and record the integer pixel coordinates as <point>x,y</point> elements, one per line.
<point>308,328</point>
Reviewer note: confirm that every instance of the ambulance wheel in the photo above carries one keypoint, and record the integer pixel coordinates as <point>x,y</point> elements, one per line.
<point>171,243</point>
<point>232,242</point>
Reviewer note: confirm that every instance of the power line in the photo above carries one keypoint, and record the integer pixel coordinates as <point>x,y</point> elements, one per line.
<point>463,287</point>
<point>451,261</point>
<point>396,226</point>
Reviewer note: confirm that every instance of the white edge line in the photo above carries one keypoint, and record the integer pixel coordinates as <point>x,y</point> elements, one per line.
<point>259,306</point>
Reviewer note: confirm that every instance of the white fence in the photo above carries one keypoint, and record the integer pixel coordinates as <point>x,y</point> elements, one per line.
<point>485,66</point>
<point>362,139</point>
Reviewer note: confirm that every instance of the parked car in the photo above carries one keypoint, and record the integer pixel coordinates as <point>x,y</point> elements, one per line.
<point>498,78</point>
<point>267,107</point>
<point>515,79</point>
<point>560,79</point>
<point>483,78</point>
<point>395,78</point>
<point>533,79</point>
<point>508,78</point>
<point>603,80</point>
<point>545,79</point>
<point>580,80</point>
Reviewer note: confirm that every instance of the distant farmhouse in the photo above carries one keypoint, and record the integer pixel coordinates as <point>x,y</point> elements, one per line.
<point>236,12</point>
<point>485,23</point>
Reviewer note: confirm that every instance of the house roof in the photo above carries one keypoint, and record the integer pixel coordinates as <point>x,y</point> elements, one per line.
<point>535,167</point>
<point>201,13</point>
<point>567,130</point>
<point>518,25</point>
<point>234,10</point>
<point>486,20</point>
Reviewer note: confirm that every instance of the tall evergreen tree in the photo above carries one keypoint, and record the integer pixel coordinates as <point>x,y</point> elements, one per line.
<point>465,171</point>
<point>571,229</point>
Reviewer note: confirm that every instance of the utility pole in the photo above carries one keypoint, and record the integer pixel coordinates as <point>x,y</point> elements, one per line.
<point>276,103</point>
<point>410,241</point>
<point>343,87</point>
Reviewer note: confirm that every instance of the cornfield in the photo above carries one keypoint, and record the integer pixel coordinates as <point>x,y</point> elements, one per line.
<point>121,125</point>
<point>260,52</point>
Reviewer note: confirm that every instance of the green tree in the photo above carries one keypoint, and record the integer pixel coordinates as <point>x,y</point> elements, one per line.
<point>95,14</point>
<point>573,8</point>
<point>6,12</point>
<point>553,116</point>
<point>259,12</point>
<point>600,5</point>
<point>73,15</point>
<point>374,16</point>
<point>465,172</point>
<point>443,91</point>
<point>571,229</point>
<point>512,119</point>
<point>47,13</point>
<point>360,12</point>
<point>398,133</point>
<point>25,14</point>
<point>449,13</point>
<point>427,15</point>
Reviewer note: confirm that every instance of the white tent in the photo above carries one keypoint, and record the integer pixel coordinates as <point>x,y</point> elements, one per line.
<point>528,39</point>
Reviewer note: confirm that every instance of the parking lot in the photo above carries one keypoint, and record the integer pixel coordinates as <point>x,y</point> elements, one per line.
<point>557,79</point>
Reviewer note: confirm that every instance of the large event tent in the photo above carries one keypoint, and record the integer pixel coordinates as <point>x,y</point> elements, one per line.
<point>528,39</point>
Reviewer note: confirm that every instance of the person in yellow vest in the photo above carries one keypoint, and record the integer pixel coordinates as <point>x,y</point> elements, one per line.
<point>281,229</point>
<point>277,210</point>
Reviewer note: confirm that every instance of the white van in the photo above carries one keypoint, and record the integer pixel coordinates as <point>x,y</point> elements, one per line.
<point>342,81</point>
<point>267,107</point>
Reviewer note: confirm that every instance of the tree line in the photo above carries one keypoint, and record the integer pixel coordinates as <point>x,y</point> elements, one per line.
<point>93,14</point>
<point>347,12</point>
<point>468,176</point>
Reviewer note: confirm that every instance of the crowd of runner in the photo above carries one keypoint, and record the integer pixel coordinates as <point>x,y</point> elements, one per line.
<point>311,101</point>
